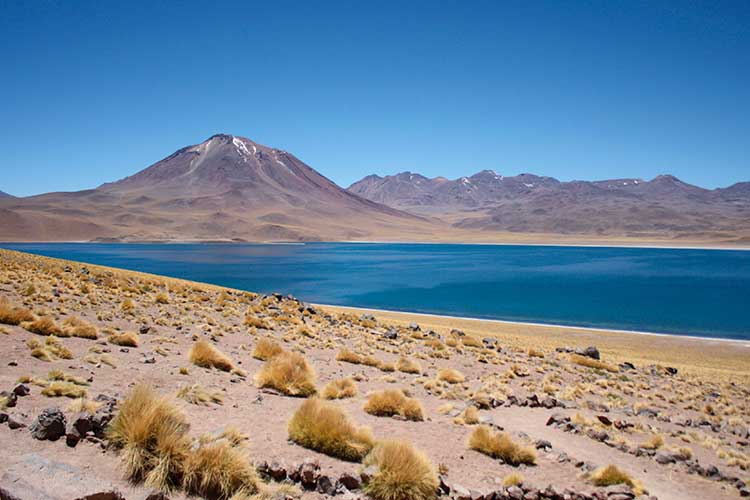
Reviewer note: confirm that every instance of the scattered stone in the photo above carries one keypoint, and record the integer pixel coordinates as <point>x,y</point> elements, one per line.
<point>604,420</point>
<point>21,390</point>
<point>49,425</point>
<point>10,398</point>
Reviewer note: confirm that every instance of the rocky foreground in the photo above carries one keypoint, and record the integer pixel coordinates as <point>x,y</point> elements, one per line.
<point>261,378</point>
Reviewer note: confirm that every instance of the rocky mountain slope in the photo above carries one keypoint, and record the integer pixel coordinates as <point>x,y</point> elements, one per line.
<point>225,188</point>
<point>487,201</point>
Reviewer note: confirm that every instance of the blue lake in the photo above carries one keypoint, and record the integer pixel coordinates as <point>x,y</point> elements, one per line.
<point>693,292</point>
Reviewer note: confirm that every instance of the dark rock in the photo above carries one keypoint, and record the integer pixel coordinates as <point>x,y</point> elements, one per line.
<point>665,457</point>
<point>325,485</point>
<point>414,327</point>
<point>591,352</point>
<point>50,424</point>
<point>604,420</point>
<point>144,329</point>
<point>277,470</point>
<point>21,390</point>
<point>308,474</point>
<point>543,444</point>
<point>349,481</point>
<point>557,418</point>
<point>627,365</point>
<point>3,417</point>
<point>670,370</point>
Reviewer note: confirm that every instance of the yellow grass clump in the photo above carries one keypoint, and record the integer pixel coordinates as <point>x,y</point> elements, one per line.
<point>44,325</point>
<point>404,473</point>
<point>161,298</point>
<point>513,479</point>
<point>340,389</point>
<point>197,395</point>
<point>83,404</point>
<point>59,388</point>
<point>610,475</point>
<point>289,373</point>
<point>265,349</point>
<point>500,445</point>
<point>407,365</point>
<point>76,327</point>
<point>13,315</point>
<point>152,435</point>
<point>256,322</point>
<point>451,376</point>
<point>126,339</point>
<point>592,363</point>
<point>348,356</point>
<point>205,355</point>
<point>219,470</point>
<point>394,402</point>
<point>655,442</point>
<point>324,427</point>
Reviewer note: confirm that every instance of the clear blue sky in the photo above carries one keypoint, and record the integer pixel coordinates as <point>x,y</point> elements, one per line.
<point>94,91</point>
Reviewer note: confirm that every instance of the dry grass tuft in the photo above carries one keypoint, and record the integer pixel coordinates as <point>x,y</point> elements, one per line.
<point>451,376</point>
<point>324,427</point>
<point>59,388</point>
<point>197,395</point>
<point>404,473</point>
<point>219,470</point>
<point>76,327</point>
<point>407,365</point>
<point>83,404</point>
<point>340,389</point>
<point>610,475</point>
<point>44,325</point>
<point>289,373</point>
<point>592,363</point>
<point>655,442</point>
<point>256,322</point>
<point>205,355</point>
<point>394,402</point>
<point>266,349</point>
<point>500,445</point>
<point>513,479</point>
<point>348,356</point>
<point>152,434</point>
<point>127,339</point>
<point>13,315</point>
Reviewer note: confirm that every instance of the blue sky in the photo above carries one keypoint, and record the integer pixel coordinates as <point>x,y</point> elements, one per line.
<point>94,91</point>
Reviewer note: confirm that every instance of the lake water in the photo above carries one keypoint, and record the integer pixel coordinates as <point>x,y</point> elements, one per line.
<point>693,292</point>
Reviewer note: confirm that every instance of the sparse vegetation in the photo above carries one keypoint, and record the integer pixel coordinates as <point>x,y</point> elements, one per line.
<point>323,427</point>
<point>197,395</point>
<point>265,349</point>
<point>289,373</point>
<point>13,315</point>
<point>500,445</point>
<point>205,355</point>
<point>394,402</point>
<point>126,339</point>
<point>407,365</point>
<point>451,376</point>
<point>340,389</point>
<point>403,473</point>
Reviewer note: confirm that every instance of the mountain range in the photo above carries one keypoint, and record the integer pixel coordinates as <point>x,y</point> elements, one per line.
<point>663,207</point>
<point>229,188</point>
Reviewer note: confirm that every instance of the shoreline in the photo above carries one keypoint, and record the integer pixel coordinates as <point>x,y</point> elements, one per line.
<point>615,244</point>
<point>725,359</point>
<point>740,342</point>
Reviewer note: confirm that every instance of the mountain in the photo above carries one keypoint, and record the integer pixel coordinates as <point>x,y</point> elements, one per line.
<point>3,194</point>
<point>664,207</point>
<point>225,188</point>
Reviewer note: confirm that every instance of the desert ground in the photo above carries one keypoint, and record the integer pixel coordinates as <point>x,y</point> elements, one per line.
<point>124,385</point>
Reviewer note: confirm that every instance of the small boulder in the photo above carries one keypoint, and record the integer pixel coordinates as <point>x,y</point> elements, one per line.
<point>21,390</point>
<point>50,425</point>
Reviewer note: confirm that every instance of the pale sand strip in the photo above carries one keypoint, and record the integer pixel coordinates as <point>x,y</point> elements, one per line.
<point>714,357</point>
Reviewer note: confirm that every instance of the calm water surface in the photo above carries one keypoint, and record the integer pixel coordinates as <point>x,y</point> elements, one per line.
<point>695,292</point>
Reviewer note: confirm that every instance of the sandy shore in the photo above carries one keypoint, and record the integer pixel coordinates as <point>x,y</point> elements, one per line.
<point>714,357</point>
